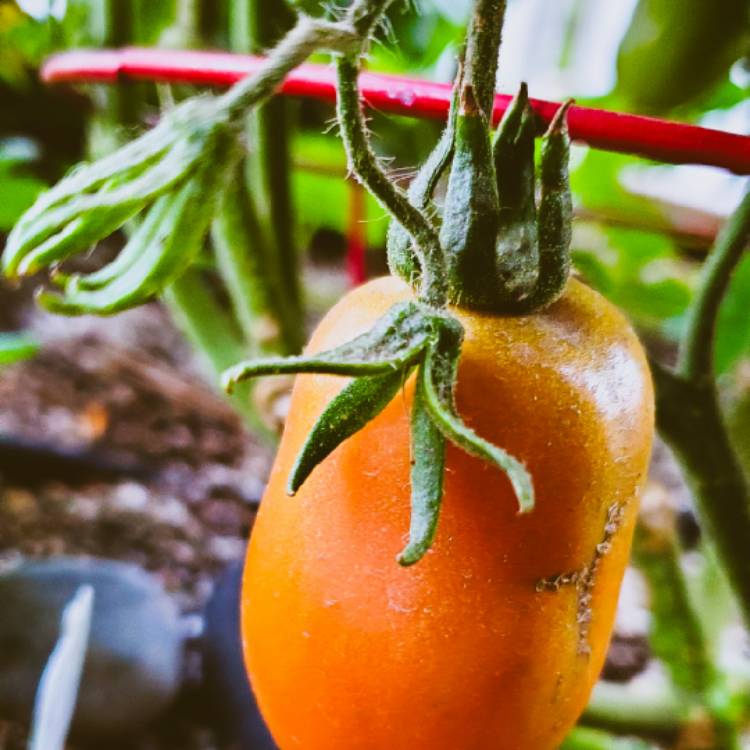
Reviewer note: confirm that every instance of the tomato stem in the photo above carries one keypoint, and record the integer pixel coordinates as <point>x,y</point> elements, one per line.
<point>214,334</point>
<point>620,709</point>
<point>652,138</point>
<point>697,351</point>
<point>690,418</point>
<point>364,164</point>
<point>482,51</point>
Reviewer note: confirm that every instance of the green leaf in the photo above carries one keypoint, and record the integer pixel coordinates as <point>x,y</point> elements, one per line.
<point>396,341</point>
<point>96,199</point>
<point>144,239</point>
<point>15,347</point>
<point>675,51</point>
<point>171,240</point>
<point>358,403</point>
<point>427,473</point>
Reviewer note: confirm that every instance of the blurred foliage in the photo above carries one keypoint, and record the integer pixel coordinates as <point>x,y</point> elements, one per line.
<point>676,633</point>
<point>677,50</point>
<point>639,270</point>
<point>593,739</point>
<point>15,347</point>
<point>152,19</point>
<point>636,270</point>
<point>19,187</point>
<point>27,41</point>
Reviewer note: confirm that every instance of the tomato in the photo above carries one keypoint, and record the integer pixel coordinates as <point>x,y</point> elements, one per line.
<point>495,639</point>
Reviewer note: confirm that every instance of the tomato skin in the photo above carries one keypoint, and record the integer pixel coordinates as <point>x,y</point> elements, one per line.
<point>347,650</point>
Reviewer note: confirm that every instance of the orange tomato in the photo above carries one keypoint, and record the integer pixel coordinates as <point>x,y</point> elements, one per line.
<point>494,640</point>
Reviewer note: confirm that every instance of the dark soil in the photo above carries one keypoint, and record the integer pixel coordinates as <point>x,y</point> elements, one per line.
<point>184,477</point>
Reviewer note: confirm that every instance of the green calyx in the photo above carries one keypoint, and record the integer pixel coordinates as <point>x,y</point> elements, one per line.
<point>410,336</point>
<point>498,250</point>
<point>503,251</point>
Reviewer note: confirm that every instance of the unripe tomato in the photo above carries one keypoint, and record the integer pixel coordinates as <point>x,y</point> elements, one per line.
<point>493,641</point>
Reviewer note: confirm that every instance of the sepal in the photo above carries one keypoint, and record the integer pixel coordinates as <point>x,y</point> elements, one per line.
<point>438,378</point>
<point>357,404</point>
<point>427,475</point>
<point>396,341</point>
<point>402,260</point>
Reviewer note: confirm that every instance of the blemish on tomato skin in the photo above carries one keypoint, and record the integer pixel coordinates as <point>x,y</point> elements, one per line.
<point>584,578</point>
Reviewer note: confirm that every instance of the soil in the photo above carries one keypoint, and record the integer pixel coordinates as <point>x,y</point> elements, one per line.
<point>185,476</point>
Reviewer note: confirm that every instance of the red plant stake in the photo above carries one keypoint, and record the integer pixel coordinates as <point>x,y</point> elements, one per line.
<point>356,235</point>
<point>662,140</point>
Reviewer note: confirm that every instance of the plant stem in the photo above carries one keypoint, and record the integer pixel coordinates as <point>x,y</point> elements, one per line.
<point>676,634</point>
<point>214,335</point>
<point>697,350</point>
<point>364,164</point>
<point>273,145</point>
<point>118,107</point>
<point>482,50</point>
<point>307,36</point>
<point>249,270</point>
<point>123,102</point>
<point>620,709</point>
<point>268,19</point>
<point>255,241</point>
<point>689,416</point>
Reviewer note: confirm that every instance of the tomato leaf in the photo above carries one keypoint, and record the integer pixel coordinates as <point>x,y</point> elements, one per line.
<point>360,401</point>
<point>170,242</point>
<point>427,472</point>
<point>96,199</point>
